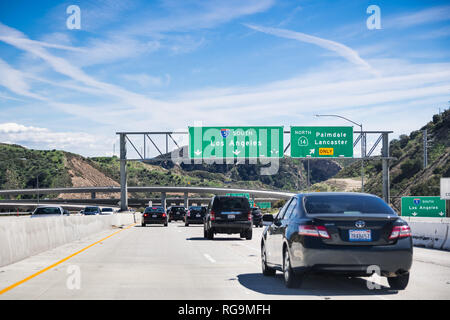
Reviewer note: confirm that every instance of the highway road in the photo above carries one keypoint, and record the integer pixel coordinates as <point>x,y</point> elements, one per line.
<point>175,262</point>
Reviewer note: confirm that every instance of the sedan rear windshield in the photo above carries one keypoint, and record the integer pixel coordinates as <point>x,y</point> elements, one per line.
<point>107,210</point>
<point>154,209</point>
<point>47,211</point>
<point>91,209</point>
<point>201,209</point>
<point>231,203</point>
<point>346,204</point>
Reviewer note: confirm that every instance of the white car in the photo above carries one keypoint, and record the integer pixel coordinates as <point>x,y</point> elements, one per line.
<point>107,211</point>
<point>49,211</point>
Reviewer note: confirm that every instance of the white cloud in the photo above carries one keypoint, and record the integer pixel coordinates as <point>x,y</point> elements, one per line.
<point>14,80</point>
<point>342,50</point>
<point>145,80</point>
<point>35,137</point>
<point>429,15</point>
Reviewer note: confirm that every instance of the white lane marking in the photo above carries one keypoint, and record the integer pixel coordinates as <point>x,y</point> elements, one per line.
<point>250,247</point>
<point>208,257</point>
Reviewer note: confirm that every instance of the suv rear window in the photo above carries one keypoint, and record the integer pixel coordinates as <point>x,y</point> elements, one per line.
<point>345,204</point>
<point>231,203</point>
<point>91,209</point>
<point>154,209</point>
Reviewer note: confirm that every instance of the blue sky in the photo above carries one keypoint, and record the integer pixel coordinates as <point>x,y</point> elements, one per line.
<point>164,65</point>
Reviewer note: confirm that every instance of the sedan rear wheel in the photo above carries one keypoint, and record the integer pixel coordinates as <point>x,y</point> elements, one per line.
<point>399,282</point>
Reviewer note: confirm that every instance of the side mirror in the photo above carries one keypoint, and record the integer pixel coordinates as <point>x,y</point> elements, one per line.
<point>267,219</point>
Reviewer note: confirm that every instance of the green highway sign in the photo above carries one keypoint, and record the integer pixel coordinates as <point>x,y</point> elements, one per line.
<point>423,207</point>
<point>264,205</point>
<point>235,142</point>
<point>321,142</point>
<point>247,195</point>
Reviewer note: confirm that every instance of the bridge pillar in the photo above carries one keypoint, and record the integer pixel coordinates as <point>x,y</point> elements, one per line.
<point>163,200</point>
<point>92,195</point>
<point>186,200</point>
<point>123,174</point>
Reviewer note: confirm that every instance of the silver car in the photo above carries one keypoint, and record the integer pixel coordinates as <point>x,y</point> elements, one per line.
<point>49,211</point>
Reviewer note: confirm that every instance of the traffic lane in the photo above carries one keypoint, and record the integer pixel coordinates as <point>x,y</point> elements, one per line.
<point>175,262</point>
<point>152,262</point>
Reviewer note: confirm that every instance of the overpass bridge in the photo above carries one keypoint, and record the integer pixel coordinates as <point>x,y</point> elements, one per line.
<point>257,195</point>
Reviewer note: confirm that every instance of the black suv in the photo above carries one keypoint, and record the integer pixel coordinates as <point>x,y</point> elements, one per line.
<point>195,214</point>
<point>228,214</point>
<point>176,213</point>
<point>257,217</point>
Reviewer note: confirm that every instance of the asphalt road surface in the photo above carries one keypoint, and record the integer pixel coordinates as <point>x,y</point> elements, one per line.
<point>176,262</point>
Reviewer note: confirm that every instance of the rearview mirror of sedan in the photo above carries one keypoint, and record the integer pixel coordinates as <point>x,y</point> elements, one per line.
<point>267,219</point>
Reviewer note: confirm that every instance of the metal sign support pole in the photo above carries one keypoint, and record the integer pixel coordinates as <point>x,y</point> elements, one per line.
<point>123,174</point>
<point>385,167</point>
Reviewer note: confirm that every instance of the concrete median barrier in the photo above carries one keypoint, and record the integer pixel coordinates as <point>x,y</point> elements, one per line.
<point>430,232</point>
<point>24,237</point>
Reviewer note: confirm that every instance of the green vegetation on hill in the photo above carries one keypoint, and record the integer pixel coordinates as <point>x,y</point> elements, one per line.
<point>407,175</point>
<point>19,168</point>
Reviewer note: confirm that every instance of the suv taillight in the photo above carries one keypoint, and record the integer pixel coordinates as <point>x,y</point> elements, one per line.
<point>250,216</point>
<point>213,215</point>
<point>313,231</point>
<point>164,214</point>
<point>400,232</point>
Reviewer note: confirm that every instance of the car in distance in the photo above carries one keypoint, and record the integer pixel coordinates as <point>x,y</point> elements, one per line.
<point>176,213</point>
<point>92,210</point>
<point>154,215</point>
<point>49,211</point>
<point>194,215</point>
<point>107,211</point>
<point>257,217</point>
<point>228,214</point>
<point>341,233</point>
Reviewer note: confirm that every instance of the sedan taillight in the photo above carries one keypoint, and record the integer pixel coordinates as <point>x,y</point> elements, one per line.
<point>313,231</point>
<point>400,232</point>
<point>213,215</point>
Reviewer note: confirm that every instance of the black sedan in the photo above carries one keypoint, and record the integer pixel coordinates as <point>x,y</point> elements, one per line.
<point>154,215</point>
<point>351,234</point>
<point>194,215</point>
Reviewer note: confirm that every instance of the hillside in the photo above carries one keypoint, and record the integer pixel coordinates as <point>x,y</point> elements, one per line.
<point>20,166</point>
<point>407,175</point>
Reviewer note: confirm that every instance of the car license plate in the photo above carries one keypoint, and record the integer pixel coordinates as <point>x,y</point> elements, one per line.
<point>231,216</point>
<point>197,215</point>
<point>360,235</point>
<point>177,213</point>
<point>154,216</point>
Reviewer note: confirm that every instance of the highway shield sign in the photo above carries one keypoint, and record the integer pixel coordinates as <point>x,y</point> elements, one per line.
<point>235,142</point>
<point>321,142</point>
<point>423,207</point>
